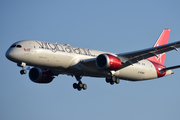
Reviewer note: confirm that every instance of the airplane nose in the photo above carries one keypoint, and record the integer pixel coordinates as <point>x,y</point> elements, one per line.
<point>9,54</point>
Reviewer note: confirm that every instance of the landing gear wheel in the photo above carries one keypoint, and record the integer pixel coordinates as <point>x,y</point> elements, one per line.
<point>117,81</point>
<point>113,79</point>
<point>23,72</point>
<point>75,85</point>
<point>108,80</point>
<point>80,85</point>
<point>112,83</point>
<point>79,89</point>
<point>84,86</point>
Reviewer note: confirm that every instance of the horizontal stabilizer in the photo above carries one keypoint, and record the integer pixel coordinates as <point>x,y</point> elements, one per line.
<point>169,68</point>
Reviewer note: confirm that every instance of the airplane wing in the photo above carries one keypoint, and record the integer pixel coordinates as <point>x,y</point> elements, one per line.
<point>133,57</point>
<point>90,63</point>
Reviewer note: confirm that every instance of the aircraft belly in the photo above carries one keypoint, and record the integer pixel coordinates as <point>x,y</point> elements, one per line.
<point>142,70</point>
<point>77,67</point>
<point>131,73</point>
<point>94,72</point>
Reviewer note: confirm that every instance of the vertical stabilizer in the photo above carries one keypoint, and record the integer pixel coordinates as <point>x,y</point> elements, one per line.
<point>163,39</point>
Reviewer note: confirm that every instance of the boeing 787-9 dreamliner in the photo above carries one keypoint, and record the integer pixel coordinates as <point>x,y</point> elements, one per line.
<point>52,59</point>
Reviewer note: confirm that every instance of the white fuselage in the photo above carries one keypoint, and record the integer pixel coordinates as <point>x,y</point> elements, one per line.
<point>66,59</point>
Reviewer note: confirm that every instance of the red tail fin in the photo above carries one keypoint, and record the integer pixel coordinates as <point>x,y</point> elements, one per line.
<point>163,39</point>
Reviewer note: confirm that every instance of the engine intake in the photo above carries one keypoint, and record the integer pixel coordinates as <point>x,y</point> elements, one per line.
<point>39,75</point>
<point>108,61</point>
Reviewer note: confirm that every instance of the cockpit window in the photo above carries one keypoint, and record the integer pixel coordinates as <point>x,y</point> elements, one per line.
<point>19,46</point>
<point>12,46</point>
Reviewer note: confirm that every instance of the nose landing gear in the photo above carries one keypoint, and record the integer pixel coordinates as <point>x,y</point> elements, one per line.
<point>79,86</point>
<point>23,71</point>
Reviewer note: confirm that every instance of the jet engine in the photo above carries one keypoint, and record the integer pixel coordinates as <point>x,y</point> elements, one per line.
<point>39,75</point>
<point>108,61</point>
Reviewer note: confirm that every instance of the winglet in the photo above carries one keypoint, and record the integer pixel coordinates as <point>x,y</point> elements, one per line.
<point>162,40</point>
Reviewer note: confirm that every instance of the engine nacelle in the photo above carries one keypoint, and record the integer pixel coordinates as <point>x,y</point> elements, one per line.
<point>39,75</point>
<point>108,61</point>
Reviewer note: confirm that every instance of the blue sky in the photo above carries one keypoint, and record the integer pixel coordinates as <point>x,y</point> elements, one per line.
<point>114,26</point>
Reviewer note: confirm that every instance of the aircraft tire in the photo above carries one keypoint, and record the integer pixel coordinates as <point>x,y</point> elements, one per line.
<point>79,88</point>
<point>23,72</point>
<point>84,87</point>
<point>113,78</point>
<point>80,85</point>
<point>108,80</point>
<point>117,81</point>
<point>112,83</point>
<point>75,85</point>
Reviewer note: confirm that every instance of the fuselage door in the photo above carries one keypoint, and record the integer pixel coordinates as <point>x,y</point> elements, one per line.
<point>32,46</point>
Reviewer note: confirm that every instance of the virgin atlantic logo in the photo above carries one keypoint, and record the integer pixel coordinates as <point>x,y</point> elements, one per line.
<point>27,49</point>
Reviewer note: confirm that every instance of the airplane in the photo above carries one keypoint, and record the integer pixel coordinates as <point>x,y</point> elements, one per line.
<point>51,59</point>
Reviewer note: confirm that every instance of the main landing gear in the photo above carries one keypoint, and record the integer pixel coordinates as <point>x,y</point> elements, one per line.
<point>79,86</point>
<point>23,71</point>
<point>112,80</point>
